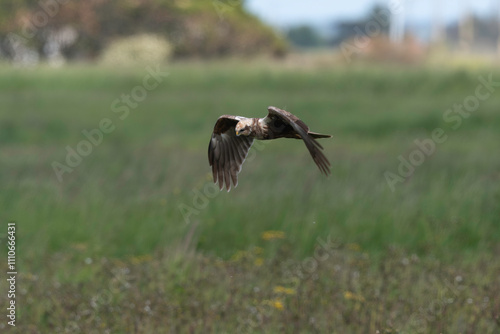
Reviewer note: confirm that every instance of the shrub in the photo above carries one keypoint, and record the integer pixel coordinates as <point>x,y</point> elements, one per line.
<point>137,50</point>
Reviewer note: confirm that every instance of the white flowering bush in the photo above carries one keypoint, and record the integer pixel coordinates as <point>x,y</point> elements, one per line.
<point>137,50</point>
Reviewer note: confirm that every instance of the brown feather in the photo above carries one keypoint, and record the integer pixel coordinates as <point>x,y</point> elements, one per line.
<point>227,152</point>
<point>299,130</point>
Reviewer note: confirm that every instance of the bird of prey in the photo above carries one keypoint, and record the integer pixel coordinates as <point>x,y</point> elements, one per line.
<point>234,135</point>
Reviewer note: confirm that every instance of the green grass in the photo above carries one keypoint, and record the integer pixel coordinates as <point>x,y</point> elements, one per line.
<point>120,206</point>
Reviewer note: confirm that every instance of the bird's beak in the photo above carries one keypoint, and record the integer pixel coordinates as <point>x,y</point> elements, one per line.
<point>237,133</point>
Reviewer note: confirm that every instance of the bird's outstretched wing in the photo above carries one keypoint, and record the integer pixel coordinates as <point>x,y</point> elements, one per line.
<point>281,123</point>
<point>227,152</point>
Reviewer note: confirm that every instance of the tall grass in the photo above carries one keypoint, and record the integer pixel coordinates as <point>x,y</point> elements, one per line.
<point>131,185</point>
<point>123,200</point>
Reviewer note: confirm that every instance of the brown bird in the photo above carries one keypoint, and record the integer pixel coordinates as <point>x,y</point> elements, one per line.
<point>234,135</point>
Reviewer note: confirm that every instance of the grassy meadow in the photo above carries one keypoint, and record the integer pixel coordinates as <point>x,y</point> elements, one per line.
<point>135,240</point>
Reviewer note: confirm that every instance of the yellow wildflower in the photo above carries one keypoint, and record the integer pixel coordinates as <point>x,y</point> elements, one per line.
<point>141,258</point>
<point>352,296</point>
<point>258,262</point>
<point>238,256</point>
<point>271,235</point>
<point>276,303</point>
<point>283,290</point>
<point>354,247</point>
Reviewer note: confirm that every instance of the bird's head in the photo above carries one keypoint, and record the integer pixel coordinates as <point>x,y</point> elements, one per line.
<point>243,128</point>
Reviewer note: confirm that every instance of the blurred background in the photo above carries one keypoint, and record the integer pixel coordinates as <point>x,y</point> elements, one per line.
<point>58,32</point>
<point>107,108</point>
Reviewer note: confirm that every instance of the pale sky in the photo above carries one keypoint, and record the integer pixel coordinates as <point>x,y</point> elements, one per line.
<point>288,12</point>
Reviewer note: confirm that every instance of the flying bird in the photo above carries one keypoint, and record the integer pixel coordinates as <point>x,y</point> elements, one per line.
<point>234,135</point>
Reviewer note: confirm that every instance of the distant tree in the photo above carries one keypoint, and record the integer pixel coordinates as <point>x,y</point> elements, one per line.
<point>195,28</point>
<point>304,36</point>
<point>378,17</point>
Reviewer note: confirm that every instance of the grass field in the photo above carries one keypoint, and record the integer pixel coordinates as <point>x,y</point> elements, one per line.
<point>133,239</point>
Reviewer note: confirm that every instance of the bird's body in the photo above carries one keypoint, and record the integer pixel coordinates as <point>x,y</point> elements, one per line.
<point>256,126</point>
<point>234,135</point>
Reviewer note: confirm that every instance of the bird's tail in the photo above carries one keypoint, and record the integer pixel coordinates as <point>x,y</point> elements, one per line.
<point>318,135</point>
